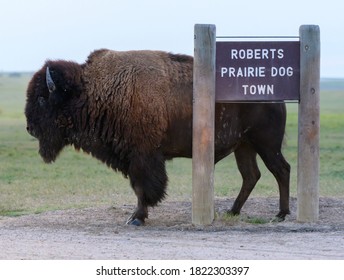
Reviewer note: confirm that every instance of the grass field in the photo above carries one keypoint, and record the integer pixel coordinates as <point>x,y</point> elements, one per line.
<point>76,180</point>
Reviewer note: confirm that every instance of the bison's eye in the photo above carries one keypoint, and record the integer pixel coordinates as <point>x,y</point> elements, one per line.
<point>41,101</point>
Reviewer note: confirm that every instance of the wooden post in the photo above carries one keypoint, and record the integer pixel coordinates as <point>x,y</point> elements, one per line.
<point>309,125</point>
<point>203,125</point>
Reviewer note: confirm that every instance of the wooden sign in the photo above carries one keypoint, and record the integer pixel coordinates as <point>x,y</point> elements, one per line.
<point>257,71</point>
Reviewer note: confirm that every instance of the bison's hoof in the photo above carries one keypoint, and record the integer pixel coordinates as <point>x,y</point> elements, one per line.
<point>232,213</point>
<point>135,222</point>
<point>280,217</point>
<point>277,219</point>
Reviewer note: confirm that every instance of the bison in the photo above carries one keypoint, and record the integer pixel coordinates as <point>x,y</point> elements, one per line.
<point>132,110</point>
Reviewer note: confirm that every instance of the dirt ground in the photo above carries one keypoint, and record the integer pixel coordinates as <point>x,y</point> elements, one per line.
<point>101,233</point>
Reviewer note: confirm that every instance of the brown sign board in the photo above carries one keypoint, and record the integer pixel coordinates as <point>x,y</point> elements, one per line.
<point>257,71</point>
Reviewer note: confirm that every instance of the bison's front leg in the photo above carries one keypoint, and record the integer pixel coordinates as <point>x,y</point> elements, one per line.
<point>148,179</point>
<point>141,212</point>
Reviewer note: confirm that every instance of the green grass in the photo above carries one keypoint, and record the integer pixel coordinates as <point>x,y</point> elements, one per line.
<point>230,219</point>
<point>76,180</point>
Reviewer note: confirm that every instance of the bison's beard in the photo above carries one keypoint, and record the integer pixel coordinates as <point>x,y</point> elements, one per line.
<point>50,149</point>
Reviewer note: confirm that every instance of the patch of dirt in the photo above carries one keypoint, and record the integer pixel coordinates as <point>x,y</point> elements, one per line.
<point>101,233</point>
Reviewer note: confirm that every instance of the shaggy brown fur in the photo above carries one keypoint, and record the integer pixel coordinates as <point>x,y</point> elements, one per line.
<point>133,110</point>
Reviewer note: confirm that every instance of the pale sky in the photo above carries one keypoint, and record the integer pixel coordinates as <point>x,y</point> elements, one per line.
<point>32,31</point>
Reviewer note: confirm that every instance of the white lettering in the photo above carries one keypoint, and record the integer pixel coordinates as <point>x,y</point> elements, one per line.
<point>265,54</point>
<point>258,89</point>
<point>265,89</point>
<point>242,54</point>
<point>261,89</point>
<point>250,72</point>
<point>256,54</point>
<point>234,54</point>
<point>261,72</point>
<point>242,72</point>
<point>290,71</point>
<point>281,71</point>
<point>280,54</point>
<point>274,71</point>
<point>249,54</point>
<point>245,89</point>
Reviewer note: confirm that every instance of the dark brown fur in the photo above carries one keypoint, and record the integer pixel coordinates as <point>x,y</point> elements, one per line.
<point>133,110</point>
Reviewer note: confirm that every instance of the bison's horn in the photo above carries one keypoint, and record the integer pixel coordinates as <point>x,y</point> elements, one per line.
<point>50,83</point>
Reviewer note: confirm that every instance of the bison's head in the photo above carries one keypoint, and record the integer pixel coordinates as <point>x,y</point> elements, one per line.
<point>49,105</point>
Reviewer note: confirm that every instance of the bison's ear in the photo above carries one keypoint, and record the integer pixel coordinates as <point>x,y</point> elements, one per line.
<point>63,82</point>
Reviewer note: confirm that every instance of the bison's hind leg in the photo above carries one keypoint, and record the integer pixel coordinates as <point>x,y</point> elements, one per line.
<point>245,157</point>
<point>280,168</point>
<point>148,178</point>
